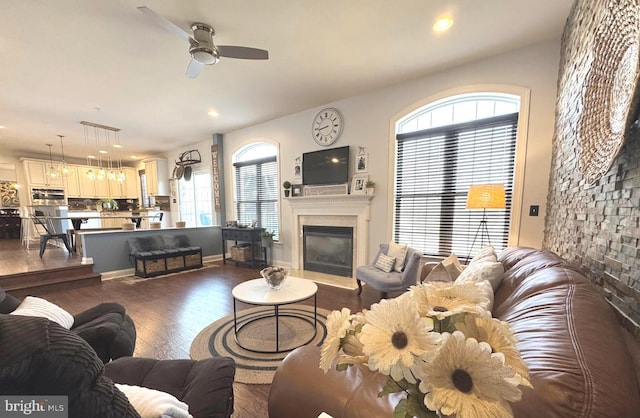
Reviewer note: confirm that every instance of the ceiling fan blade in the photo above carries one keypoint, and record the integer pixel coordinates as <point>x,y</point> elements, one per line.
<point>194,68</point>
<point>242,52</point>
<point>167,24</point>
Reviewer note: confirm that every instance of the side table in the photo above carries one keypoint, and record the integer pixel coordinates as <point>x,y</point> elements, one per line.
<point>249,235</point>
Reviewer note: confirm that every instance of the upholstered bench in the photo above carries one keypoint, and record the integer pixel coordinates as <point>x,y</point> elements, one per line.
<point>162,254</point>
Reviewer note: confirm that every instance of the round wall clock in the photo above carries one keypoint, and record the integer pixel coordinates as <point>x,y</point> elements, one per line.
<point>326,127</point>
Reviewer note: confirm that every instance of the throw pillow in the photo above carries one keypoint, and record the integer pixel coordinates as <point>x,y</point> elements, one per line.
<point>399,252</point>
<point>487,253</point>
<point>453,266</point>
<point>483,270</point>
<point>439,274</point>
<point>446,271</point>
<point>385,263</point>
<point>485,287</point>
<point>32,306</point>
<point>150,403</point>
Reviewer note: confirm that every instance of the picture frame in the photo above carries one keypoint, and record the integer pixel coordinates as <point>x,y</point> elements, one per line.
<point>297,167</point>
<point>361,163</point>
<point>358,184</point>
<point>296,190</point>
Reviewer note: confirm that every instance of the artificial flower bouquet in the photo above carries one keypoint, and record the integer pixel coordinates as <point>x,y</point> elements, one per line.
<point>437,343</point>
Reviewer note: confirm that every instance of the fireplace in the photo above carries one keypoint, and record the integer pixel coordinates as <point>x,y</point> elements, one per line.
<point>350,211</point>
<point>328,249</point>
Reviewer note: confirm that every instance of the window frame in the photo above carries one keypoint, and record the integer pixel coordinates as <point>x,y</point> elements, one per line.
<point>524,96</point>
<point>237,164</point>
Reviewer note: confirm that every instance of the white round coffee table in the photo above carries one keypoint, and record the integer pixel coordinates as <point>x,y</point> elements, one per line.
<point>257,292</point>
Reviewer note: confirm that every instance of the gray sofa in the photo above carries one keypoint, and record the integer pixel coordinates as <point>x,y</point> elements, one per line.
<point>162,254</point>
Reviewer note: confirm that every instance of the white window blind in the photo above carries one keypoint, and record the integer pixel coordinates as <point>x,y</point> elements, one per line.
<point>257,193</point>
<point>434,170</point>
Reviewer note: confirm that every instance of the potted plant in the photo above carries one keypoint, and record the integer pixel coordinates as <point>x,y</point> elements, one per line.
<point>287,186</point>
<point>370,186</point>
<point>267,238</point>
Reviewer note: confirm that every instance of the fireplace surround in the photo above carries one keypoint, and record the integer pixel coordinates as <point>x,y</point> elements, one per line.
<point>351,211</point>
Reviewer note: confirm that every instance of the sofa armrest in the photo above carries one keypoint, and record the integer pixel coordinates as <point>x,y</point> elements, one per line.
<point>412,269</point>
<point>205,385</point>
<point>97,311</point>
<point>301,389</point>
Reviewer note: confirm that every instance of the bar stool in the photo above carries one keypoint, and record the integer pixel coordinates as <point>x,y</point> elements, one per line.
<point>26,226</point>
<point>50,232</point>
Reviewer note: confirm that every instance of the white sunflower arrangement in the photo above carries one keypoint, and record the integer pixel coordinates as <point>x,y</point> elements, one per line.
<point>439,345</point>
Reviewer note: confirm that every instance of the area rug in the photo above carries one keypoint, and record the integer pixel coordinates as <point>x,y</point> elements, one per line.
<point>135,279</point>
<point>218,339</point>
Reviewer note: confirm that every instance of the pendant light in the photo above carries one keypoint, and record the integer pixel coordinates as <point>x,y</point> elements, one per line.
<point>63,168</point>
<point>51,171</point>
<point>108,168</point>
<point>90,174</point>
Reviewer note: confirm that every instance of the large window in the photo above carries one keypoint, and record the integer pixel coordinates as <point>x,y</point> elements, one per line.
<point>256,184</point>
<point>442,149</point>
<point>196,199</point>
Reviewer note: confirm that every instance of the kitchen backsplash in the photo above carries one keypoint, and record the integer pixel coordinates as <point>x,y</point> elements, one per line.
<point>123,204</point>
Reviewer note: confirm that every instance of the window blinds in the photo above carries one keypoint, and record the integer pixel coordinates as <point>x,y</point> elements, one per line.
<point>257,193</point>
<point>434,169</point>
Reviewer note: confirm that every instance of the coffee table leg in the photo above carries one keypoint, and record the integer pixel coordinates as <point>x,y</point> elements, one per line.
<point>235,319</point>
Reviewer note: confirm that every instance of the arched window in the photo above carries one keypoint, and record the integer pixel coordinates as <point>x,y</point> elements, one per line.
<point>256,185</point>
<point>442,149</point>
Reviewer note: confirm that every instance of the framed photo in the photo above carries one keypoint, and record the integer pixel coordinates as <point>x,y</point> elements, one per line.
<point>362,162</point>
<point>297,167</point>
<point>358,184</point>
<point>296,190</point>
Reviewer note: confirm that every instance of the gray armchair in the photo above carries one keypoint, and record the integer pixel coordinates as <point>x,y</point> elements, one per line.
<point>392,281</point>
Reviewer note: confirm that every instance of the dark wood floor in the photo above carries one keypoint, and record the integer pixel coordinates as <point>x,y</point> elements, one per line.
<point>169,312</point>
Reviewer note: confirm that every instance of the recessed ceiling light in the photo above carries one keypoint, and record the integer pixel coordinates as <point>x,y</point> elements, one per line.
<point>117,146</point>
<point>101,151</point>
<point>93,157</point>
<point>1,127</point>
<point>135,157</point>
<point>443,24</point>
<point>213,113</point>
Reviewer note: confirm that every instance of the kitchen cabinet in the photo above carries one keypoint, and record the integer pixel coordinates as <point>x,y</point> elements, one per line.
<point>71,182</point>
<point>36,171</point>
<point>157,177</point>
<point>128,189</point>
<point>92,188</point>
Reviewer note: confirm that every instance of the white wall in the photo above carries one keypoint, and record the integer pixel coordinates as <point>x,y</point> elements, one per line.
<point>367,122</point>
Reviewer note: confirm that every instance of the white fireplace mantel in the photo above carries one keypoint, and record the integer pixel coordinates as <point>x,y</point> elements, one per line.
<point>335,210</point>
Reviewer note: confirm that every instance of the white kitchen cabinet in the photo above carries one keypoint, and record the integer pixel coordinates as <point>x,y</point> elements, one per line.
<point>157,177</point>
<point>71,182</point>
<point>36,171</point>
<point>131,184</point>
<point>128,189</point>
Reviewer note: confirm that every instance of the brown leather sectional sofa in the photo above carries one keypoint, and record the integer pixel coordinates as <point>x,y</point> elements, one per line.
<point>568,335</point>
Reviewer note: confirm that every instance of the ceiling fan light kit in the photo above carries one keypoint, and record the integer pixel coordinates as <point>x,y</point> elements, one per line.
<point>201,47</point>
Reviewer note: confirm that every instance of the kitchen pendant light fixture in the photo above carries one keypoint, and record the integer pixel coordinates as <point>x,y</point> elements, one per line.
<point>51,171</point>
<point>104,169</point>
<point>90,174</point>
<point>63,168</point>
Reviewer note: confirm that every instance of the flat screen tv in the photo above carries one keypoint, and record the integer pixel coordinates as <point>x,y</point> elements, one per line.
<point>327,166</point>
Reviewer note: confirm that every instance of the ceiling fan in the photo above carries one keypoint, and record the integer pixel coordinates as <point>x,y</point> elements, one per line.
<point>203,51</point>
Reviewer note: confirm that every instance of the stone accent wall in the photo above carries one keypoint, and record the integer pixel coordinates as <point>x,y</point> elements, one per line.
<point>597,225</point>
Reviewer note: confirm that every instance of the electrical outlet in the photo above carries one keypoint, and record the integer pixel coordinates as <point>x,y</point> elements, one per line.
<point>534,210</point>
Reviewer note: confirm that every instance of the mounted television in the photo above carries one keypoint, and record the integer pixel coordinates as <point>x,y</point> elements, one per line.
<point>327,166</point>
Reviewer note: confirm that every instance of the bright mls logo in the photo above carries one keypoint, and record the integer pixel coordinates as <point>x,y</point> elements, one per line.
<point>34,406</point>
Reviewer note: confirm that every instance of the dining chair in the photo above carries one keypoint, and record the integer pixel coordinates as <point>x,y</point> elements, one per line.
<point>49,232</point>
